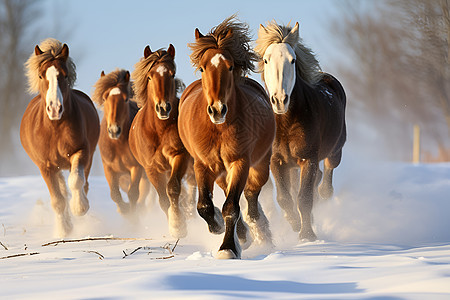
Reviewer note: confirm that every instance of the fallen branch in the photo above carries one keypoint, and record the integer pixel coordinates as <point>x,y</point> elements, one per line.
<point>164,257</point>
<point>95,252</point>
<point>18,255</point>
<point>132,252</point>
<point>94,239</point>
<point>3,246</point>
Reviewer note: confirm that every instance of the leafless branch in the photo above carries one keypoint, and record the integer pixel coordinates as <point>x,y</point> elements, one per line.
<point>100,256</point>
<point>94,239</point>
<point>3,246</point>
<point>18,255</point>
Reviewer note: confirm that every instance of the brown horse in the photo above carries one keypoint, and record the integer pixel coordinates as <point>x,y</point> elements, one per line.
<point>310,116</point>
<point>59,129</point>
<point>227,126</point>
<point>154,138</point>
<point>112,94</point>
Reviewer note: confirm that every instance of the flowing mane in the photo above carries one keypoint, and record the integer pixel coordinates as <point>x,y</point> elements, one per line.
<point>110,80</point>
<point>307,64</point>
<point>237,43</point>
<point>143,67</point>
<point>52,49</point>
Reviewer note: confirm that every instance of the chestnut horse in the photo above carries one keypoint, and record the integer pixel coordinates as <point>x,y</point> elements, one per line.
<point>154,138</point>
<point>309,110</point>
<point>227,125</point>
<point>59,130</point>
<point>112,94</point>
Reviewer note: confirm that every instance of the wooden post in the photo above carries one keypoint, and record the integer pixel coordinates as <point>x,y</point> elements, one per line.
<point>416,144</point>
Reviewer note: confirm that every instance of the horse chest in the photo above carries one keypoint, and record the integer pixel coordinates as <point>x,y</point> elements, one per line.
<point>293,142</point>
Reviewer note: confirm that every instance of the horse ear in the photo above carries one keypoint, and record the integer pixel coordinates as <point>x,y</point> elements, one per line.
<point>37,50</point>
<point>147,51</point>
<point>102,74</point>
<point>198,34</point>
<point>294,30</point>
<point>171,50</point>
<point>262,29</point>
<point>65,52</point>
<point>127,76</point>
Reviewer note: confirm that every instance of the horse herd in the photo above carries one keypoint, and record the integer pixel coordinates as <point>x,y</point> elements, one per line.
<point>225,129</point>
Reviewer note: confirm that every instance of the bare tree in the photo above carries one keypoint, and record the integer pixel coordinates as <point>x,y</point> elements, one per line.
<point>16,17</point>
<point>398,72</point>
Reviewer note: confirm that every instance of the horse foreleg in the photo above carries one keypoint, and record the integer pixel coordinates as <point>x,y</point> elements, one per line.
<point>79,203</point>
<point>205,206</point>
<point>308,175</point>
<point>113,181</point>
<point>159,181</point>
<point>236,178</point>
<point>281,174</point>
<point>177,220</point>
<point>256,219</point>
<point>133,189</point>
<point>58,197</point>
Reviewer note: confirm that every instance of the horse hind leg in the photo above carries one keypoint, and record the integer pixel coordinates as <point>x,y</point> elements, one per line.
<point>282,175</point>
<point>79,203</point>
<point>177,220</point>
<point>58,196</point>
<point>326,189</point>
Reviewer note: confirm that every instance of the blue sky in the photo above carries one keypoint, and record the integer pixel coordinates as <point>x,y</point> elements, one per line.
<point>109,34</point>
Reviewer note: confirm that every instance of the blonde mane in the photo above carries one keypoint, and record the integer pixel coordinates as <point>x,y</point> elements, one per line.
<point>143,67</point>
<point>237,44</point>
<point>52,49</point>
<point>308,66</point>
<point>113,79</point>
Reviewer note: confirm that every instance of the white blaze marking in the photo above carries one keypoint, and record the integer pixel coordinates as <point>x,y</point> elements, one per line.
<point>115,91</point>
<point>215,61</point>
<point>161,70</point>
<point>54,95</point>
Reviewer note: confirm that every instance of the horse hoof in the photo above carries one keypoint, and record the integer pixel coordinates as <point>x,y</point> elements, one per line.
<point>307,235</point>
<point>218,225</point>
<point>79,208</point>
<point>325,192</point>
<point>226,254</point>
<point>177,223</point>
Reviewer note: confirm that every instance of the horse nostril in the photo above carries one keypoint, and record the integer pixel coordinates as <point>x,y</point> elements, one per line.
<point>224,110</point>
<point>60,109</point>
<point>285,100</point>
<point>119,130</point>
<point>157,108</point>
<point>272,99</point>
<point>168,106</point>
<point>210,110</point>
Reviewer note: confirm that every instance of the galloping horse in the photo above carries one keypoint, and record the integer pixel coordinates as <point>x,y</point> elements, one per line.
<point>59,129</point>
<point>112,93</point>
<point>227,125</point>
<point>154,138</point>
<point>309,110</point>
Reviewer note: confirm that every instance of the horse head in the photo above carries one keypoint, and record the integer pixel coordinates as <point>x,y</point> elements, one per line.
<point>280,71</point>
<point>161,86</point>
<point>53,83</point>
<point>115,105</point>
<point>217,67</point>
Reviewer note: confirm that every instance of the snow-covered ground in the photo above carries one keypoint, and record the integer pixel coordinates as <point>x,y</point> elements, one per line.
<point>384,235</point>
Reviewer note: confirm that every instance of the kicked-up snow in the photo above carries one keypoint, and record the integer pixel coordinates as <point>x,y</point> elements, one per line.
<point>385,234</point>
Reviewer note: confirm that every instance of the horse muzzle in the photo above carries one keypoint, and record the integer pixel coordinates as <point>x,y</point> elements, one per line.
<point>54,111</point>
<point>163,110</point>
<point>114,131</point>
<point>280,106</point>
<point>217,113</point>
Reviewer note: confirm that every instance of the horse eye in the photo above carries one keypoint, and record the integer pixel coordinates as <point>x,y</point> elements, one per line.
<point>149,78</point>
<point>265,61</point>
<point>201,69</point>
<point>231,68</point>
<point>40,76</point>
<point>293,61</point>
